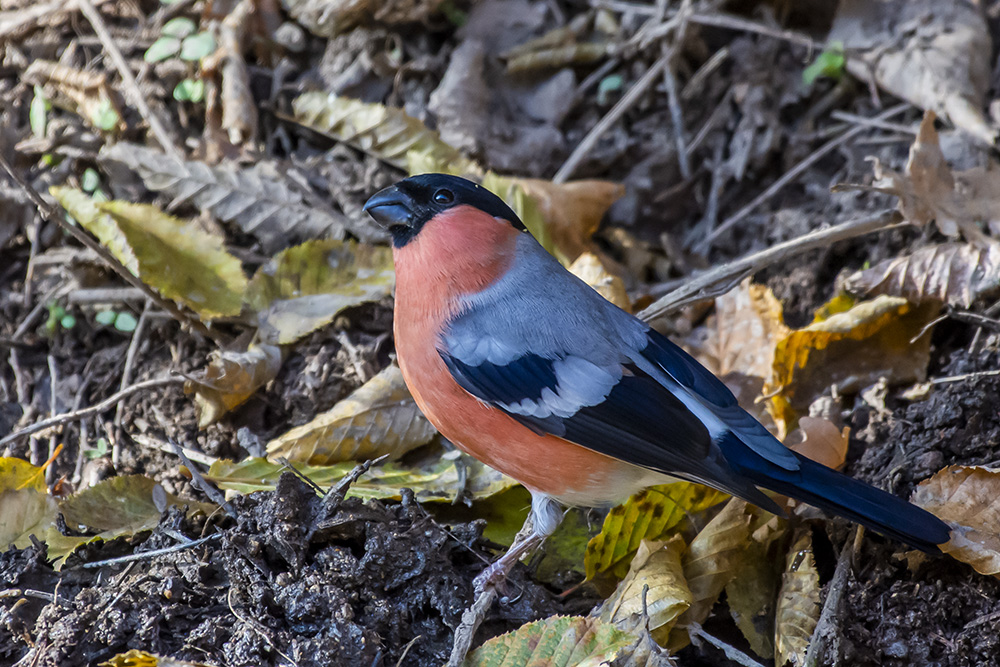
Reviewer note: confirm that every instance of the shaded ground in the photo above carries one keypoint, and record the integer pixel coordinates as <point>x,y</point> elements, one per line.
<point>383,583</point>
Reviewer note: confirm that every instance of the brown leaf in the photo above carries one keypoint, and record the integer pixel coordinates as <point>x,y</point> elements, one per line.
<point>798,603</point>
<point>931,53</point>
<point>230,378</point>
<point>753,592</point>
<point>748,324</point>
<point>572,211</point>
<point>929,190</point>
<point>820,440</point>
<point>588,268</point>
<point>711,562</point>
<point>952,273</point>
<point>968,498</point>
<point>328,18</point>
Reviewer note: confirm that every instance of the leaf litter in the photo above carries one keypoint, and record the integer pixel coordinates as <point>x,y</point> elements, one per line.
<point>504,98</point>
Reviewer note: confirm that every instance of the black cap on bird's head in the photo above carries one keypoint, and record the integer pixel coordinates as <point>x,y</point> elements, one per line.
<point>405,207</point>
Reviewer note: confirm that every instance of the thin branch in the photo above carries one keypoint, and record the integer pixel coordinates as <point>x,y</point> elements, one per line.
<point>77,415</point>
<point>148,555</point>
<point>131,86</point>
<point>794,173</point>
<point>826,626</point>
<point>50,213</point>
<point>708,284</point>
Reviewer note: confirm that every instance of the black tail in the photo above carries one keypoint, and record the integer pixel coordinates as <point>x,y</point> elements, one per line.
<point>839,494</point>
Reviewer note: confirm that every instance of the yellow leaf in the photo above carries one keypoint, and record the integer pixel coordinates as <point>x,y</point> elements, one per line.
<point>968,498</point>
<point>798,603</point>
<point>656,576</point>
<point>304,288</point>
<point>380,417</point>
<point>136,658</point>
<point>752,593</point>
<point>851,349</point>
<point>588,268</point>
<point>26,508</point>
<point>84,210</point>
<point>649,515</point>
<point>557,641</point>
<point>231,378</point>
<point>748,324</point>
<point>711,562</point>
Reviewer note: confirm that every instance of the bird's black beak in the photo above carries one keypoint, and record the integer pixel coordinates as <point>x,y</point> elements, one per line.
<point>391,209</point>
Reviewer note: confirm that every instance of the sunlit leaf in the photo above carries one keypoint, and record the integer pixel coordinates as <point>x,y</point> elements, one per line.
<point>968,498</point>
<point>748,324</point>
<point>162,49</point>
<point>655,584</point>
<point>588,268</point>
<point>38,112</point>
<point>956,274</point>
<point>197,46</point>
<point>136,658</point>
<point>304,288</point>
<point>179,27</point>
<point>558,641</point>
<point>27,507</point>
<point>798,606</point>
<point>712,560</point>
<point>439,479</point>
<point>380,417</point>
<point>820,440</point>
<point>885,337</point>
<point>649,515</point>
<point>230,378</point>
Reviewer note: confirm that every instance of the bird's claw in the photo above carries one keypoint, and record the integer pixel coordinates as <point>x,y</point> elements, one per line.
<point>493,577</point>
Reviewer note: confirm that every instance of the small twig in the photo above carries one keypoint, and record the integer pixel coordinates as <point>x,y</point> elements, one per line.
<point>976,319</point>
<point>133,347</point>
<point>466,630</point>
<point>792,174</point>
<point>31,593</point>
<point>50,472</point>
<point>966,376</point>
<point>826,626</point>
<point>617,111</point>
<point>707,284</point>
<point>50,213</point>
<point>695,631</point>
<point>105,295</point>
<point>77,415</point>
<point>200,482</point>
<point>131,86</point>
<point>194,455</point>
<point>670,82</point>
<point>146,555</point>
<point>837,114</point>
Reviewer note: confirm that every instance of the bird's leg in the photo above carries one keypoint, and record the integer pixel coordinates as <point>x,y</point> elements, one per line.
<point>542,521</point>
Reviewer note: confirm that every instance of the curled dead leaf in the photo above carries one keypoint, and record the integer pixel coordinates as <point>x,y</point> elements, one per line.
<point>230,378</point>
<point>380,417</point>
<point>820,440</point>
<point>968,498</point>
<point>798,606</point>
<point>956,274</point>
<point>588,268</point>
<point>328,18</point>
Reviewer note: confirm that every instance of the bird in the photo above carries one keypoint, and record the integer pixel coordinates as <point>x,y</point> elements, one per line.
<point>528,369</point>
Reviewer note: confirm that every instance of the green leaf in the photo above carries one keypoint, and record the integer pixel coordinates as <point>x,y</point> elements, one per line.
<point>609,85</point>
<point>304,287</point>
<point>190,90</point>
<point>179,27</point>
<point>162,49</point>
<point>67,321</point>
<point>829,63</point>
<point>557,641</point>
<point>90,180</point>
<point>105,117</point>
<point>38,112</point>
<point>106,317</point>
<point>28,509</point>
<point>197,46</point>
<point>649,515</point>
<point>125,322</point>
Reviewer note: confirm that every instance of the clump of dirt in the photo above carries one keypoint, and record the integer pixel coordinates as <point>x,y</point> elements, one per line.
<point>294,578</point>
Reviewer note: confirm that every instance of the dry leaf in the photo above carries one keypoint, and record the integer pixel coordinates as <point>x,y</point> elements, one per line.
<point>572,211</point>
<point>798,606</point>
<point>929,190</point>
<point>239,108</point>
<point>749,322</point>
<point>303,288</point>
<point>380,417</point>
<point>137,658</point>
<point>711,562</point>
<point>851,349</point>
<point>557,641</point>
<point>588,268</point>
<point>934,54</point>
<point>328,18</point>
<point>230,378</point>
<point>654,585</point>
<point>650,515</point>
<point>176,257</point>
<point>968,498</point>
<point>753,592</point>
<point>260,199</point>
<point>956,274</point>
<point>84,93</point>
<point>820,440</point>
<point>28,509</point>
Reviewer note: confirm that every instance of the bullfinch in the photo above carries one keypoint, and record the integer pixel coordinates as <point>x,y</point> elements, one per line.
<point>524,366</point>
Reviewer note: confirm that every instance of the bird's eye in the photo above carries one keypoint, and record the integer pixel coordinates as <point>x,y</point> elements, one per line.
<point>443,196</point>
